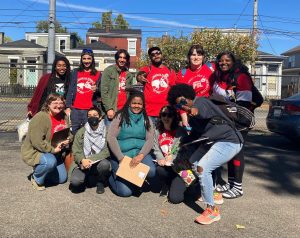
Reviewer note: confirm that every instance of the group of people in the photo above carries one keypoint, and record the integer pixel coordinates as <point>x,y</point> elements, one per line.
<point>110,119</point>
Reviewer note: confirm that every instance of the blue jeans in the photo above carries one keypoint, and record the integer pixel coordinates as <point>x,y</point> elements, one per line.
<point>122,187</point>
<point>50,168</point>
<point>220,153</point>
<point>78,119</point>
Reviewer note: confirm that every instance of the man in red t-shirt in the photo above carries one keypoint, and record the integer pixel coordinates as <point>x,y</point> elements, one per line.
<point>157,79</point>
<point>83,85</point>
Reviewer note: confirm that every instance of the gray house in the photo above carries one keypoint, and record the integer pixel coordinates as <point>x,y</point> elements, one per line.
<point>291,71</point>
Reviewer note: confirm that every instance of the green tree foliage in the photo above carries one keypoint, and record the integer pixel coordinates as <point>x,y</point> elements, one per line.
<point>7,39</point>
<point>107,21</point>
<point>42,26</point>
<point>80,40</point>
<point>213,41</point>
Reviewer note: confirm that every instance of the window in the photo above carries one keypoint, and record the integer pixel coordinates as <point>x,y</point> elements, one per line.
<point>33,41</point>
<point>62,45</point>
<point>132,47</point>
<point>92,41</point>
<point>292,61</point>
<point>272,68</point>
<point>13,71</point>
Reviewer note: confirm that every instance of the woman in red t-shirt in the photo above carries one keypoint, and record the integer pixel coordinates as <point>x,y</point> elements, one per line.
<point>37,149</point>
<point>198,74</point>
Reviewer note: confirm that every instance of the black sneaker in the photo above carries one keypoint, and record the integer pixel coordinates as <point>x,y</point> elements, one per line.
<point>100,188</point>
<point>164,191</point>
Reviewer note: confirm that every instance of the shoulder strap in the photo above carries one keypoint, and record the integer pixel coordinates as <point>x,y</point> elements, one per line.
<point>183,71</point>
<point>209,65</point>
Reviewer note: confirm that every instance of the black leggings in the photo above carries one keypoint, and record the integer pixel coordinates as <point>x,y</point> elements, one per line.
<point>176,184</point>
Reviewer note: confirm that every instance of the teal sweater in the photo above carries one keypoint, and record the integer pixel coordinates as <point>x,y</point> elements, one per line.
<point>132,137</point>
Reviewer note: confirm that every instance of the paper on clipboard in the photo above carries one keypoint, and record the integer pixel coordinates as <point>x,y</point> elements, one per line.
<point>134,175</point>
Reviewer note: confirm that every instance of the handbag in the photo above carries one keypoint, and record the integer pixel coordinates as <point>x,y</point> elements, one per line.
<point>22,129</point>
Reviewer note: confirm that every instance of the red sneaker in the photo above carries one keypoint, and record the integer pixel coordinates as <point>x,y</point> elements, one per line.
<point>209,216</point>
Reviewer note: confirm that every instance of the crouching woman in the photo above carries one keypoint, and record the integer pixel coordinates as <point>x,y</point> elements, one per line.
<point>207,120</point>
<point>37,151</point>
<point>91,165</point>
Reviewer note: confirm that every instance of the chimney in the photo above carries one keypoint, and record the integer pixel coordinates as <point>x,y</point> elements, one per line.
<point>107,28</point>
<point>1,38</point>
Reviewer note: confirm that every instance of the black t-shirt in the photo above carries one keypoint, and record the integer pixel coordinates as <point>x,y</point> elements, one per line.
<point>202,126</point>
<point>54,85</point>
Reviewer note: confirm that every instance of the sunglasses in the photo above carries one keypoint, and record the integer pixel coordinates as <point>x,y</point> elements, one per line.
<point>166,114</point>
<point>155,53</point>
<point>182,103</point>
<point>87,50</point>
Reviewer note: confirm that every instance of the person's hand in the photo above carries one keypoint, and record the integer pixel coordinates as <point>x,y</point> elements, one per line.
<point>161,162</point>
<point>142,78</point>
<point>58,148</point>
<point>85,164</point>
<point>29,114</point>
<point>68,111</point>
<point>110,114</point>
<point>136,160</point>
<point>194,111</point>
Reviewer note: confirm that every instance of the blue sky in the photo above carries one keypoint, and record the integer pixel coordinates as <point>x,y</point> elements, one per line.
<point>278,20</point>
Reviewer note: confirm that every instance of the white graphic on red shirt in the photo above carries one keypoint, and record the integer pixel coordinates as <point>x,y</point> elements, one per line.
<point>84,85</point>
<point>160,83</point>
<point>59,127</point>
<point>122,84</point>
<point>165,142</point>
<point>200,84</point>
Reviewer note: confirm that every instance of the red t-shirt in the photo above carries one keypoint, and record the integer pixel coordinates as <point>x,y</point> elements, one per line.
<point>58,123</point>
<point>84,93</point>
<point>156,89</point>
<point>165,141</point>
<point>200,80</point>
<point>122,93</point>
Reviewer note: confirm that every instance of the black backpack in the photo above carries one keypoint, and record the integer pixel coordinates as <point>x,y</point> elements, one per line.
<point>236,116</point>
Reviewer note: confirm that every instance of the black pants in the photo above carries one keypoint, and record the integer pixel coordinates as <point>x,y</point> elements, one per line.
<point>176,184</point>
<point>236,166</point>
<point>97,173</point>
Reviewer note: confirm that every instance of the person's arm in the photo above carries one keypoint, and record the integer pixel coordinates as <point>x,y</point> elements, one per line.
<point>104,89</point>
<point>77,147</point>
<point>71,89</point>
<point>112,141</point>
<point>147,147</point>
<point>142,75</point>
<point>38,131</point>
<point>156,147</point>
<point>244,90</point>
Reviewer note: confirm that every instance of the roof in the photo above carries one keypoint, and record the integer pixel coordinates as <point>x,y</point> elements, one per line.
<point>293,50</point>
<point>116,31</point>
<point>22,44</point>
<point>97,45</point>
<point>264,55</point>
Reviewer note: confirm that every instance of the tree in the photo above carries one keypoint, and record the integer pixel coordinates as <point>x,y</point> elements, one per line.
<point>7,39</point>
<point>213,41</point>
<point>42,26</point>
<point>80,40</point>
<point>107,21</point>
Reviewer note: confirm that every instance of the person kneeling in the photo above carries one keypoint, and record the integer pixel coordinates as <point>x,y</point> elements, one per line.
<point>91,165</point>
<point>227,142</point>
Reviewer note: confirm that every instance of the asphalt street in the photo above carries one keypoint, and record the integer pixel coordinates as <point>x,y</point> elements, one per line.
<point>269,208</point>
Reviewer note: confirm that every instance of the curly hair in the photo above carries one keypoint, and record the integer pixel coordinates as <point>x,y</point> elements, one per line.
<point>67,76</point>
<point>124,113</point>
<point>175,122</point>
<point>180,90</point>
<point>51,98</point>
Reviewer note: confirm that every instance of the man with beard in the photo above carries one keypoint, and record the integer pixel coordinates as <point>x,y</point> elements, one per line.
<point>157,79</point>
<point>83,85</point>
<point>115,79</point>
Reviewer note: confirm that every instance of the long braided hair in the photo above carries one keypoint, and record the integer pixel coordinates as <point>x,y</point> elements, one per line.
<point>124,111</point>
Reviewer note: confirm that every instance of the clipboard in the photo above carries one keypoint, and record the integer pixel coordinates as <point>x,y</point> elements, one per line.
<point>60,136</point>
<point>134,175</point>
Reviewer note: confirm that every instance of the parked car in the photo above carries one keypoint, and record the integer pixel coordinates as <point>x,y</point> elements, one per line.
<point>284,117</point>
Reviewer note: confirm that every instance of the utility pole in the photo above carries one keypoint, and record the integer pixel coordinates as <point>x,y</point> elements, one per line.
<point>51,34</point>
<point>254,35</point>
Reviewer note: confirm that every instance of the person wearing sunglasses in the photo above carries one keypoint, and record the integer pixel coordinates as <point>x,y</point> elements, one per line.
<point>167,136</point>
<point>82,90</point>
<point>226,142</point>
<point>115,79</point>
<point>157,80</point>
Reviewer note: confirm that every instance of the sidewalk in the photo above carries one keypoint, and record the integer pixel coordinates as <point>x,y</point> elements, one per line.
<point>269,207</point>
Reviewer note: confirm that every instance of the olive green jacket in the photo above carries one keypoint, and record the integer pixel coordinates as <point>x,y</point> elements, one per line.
<point>77,150</point>
<point>38,138</point>
<point>110,86</point>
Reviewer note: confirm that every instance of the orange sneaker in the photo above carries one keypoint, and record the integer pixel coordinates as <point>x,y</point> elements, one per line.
<point>208,216</point>
<point>218,198</point>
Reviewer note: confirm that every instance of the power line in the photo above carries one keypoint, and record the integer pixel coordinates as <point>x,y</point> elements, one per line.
<point>241,14</point>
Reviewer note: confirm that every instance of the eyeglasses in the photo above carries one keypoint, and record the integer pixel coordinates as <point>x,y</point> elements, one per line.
<point>87,50</point>
<point>181,103</point>
<point>166,114</point>
<point>155,53</point>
